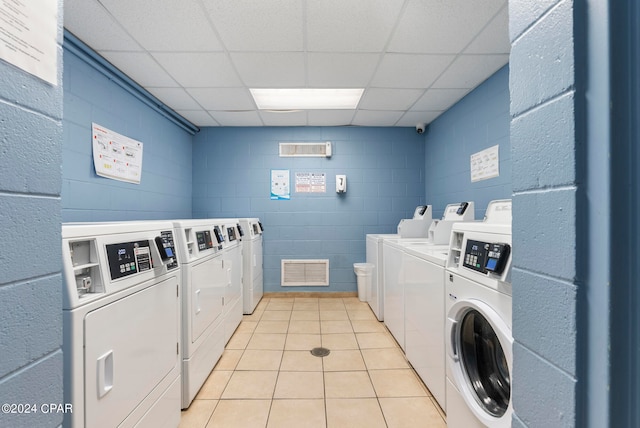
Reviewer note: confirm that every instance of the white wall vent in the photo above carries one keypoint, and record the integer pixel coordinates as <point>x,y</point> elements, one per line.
<point>299,273</point>
<point>306,149</point>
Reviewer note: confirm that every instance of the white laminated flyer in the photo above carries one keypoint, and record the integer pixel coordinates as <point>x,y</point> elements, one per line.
<point>311,182</point>
<point>485,164</point>
<point>116,156</point>
<point>28,36</point>
<point>280,184</point>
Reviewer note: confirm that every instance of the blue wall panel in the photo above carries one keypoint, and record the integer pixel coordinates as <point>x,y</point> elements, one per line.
<point>385,182</point>
<point>165,190</point>
<point>479,121</point>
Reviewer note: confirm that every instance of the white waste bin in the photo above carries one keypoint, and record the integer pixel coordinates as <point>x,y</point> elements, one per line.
<point>363,271</point>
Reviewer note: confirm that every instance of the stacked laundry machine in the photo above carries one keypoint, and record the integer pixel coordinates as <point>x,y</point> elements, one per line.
<point>252,279</point>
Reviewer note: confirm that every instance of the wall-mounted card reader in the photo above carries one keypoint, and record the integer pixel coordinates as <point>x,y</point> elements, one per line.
<point>486,257</point>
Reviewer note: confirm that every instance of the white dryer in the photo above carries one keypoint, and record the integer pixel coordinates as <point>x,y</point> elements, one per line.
<point>203,289</point>
<point>479,358</point>
<point>121,324</point>
<point>232,310</point>
<point>252,278</point>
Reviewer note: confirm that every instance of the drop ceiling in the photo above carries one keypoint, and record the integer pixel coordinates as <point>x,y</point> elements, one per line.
<point>414,58</point>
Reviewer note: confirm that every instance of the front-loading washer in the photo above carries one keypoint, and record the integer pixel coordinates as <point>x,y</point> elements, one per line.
<point>121,324</point>
<point>252,278</point>
<point>479,358</point>
<point>203,290</point>
<point>232,310</point>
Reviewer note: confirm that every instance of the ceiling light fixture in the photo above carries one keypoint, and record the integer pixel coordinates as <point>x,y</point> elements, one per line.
<point>307,99</point>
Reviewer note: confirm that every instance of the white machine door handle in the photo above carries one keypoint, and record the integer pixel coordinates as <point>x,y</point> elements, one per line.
<point>105,374</point>
<point>452,348</point>
<point>198,309</point>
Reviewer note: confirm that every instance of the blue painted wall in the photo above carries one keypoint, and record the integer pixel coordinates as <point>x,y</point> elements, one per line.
<point>165,189</point>
<point>547,187</point>
<point>479,121</point>
<point>385,182</point>
<point>30,280</point>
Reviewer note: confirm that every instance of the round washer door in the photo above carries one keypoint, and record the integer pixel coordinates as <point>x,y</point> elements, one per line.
<point>480,350</point>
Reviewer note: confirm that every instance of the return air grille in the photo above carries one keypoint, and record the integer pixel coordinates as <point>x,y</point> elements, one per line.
<point>299,273</point>
<point>306,149</point>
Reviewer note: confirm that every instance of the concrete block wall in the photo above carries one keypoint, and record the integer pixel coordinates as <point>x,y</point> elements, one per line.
<point>165,188</point>
<point>479,121</point>
<point>546,185</point>
<point>385,182</point>
<point>30,279</point>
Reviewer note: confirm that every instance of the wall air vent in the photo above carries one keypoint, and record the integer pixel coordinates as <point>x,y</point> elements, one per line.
<point>306,149</point>
<point>300,273</point>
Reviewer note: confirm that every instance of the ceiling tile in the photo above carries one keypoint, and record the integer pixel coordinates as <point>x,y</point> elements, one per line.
<point>223,98</point>
<point>90,21</point>
<point>177,98</point>
<point>340,70</point>
<point>258,25</point>
<point>141,67</point>
<point>436,26</point>
<point>439,99</point>
<point>270,70</point>
<point>412,118</point>
<point>410,71</point>
<point>468,71</point>
<point>348,26</point>
<point>376,118</point>
<point>198,117</point>
<point>158,25</point>
<point>330,117</point>
<point>294,118</point>
<point>237,118</point>
<point>197,70</point>
<point>493,39</point>
<point>389,99</point>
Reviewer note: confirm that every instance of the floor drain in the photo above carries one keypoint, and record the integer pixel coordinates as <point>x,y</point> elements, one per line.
<point>320,352</point>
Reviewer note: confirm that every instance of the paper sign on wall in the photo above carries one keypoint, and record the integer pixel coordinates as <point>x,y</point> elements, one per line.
<point>280,184</point>
<point>28,37</point>
<point>116,156</point>
<point>485,164</point>
<point>311,182</point>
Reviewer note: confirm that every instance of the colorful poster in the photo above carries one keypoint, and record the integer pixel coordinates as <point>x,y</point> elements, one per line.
<point>485,164</point>
<point>280,184</point>
<point>116,156</point>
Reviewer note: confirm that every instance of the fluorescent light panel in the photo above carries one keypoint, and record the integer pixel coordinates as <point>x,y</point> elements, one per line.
<point>307,99</point>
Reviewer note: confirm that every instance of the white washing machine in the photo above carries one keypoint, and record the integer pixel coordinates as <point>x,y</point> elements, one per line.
<point>479,359</point>
<point>203,290</point>
<point>232,310</point>
<point>252,278</point>
<point>121,324</point>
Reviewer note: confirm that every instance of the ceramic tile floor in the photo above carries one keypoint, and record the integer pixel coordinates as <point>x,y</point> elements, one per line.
<point>267,376</point>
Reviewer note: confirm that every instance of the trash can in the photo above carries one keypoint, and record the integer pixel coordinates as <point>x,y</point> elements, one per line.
<point>363,271</point>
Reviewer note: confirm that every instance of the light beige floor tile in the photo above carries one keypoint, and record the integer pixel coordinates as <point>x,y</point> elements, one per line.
<point>247,327</point>
<point>368,326</point>
<point>250,385</point>
<point>348,385</point>
<point>198,414</point>
<point>238,340</point>
<point>279,305</point>
<point>355,303</point>
<point>305,316</point>
<point>331,304</point>
<point>262,304</point>
<point>327,327</point>
<point>299,385</point>
<point>283,299</point>
<point>306,299</point>
<point>438,408</point>
<point>375,340</point>
<point>272,327</point>
<point>240,414</point>
<point>255,316</point>
<point>382,359</point>
<point>297,413</point>
<point>354,413</point>
<point>338,341</point>
<point>300,361</point>
<point>229,359</point>
<point>253,359</point>
<point>305,306</point>
<point>361,315</point>
<point>276,316</point>
<point>309,327</point>
<point>343,360</point>
<point>334,315</point>
<point>411,412</point>
<point>397,383</point>
<point>214,385</point>
<point>302,342</point>
<point>273,341</point>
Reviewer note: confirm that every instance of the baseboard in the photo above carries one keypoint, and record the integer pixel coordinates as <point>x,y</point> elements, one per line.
<point>312,294</point>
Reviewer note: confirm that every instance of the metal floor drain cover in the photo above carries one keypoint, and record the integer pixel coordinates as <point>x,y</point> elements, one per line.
<point>320,352</point>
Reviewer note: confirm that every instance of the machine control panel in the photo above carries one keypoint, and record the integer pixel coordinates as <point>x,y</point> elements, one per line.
<point>231,233</point>
<point>204,240</point>
<point>486,257</point>
<point>167,249</point>
<point>219,236</point>
<point>128,258</point>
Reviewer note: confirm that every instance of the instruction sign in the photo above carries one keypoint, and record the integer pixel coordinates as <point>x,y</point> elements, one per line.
<point>485,164</point>
<point>116,156</point>
<point>280,184</point>
<point>28,36</point>
<point>311,182</point>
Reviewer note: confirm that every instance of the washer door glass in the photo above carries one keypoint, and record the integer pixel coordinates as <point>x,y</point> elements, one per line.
<point>484,363</point>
